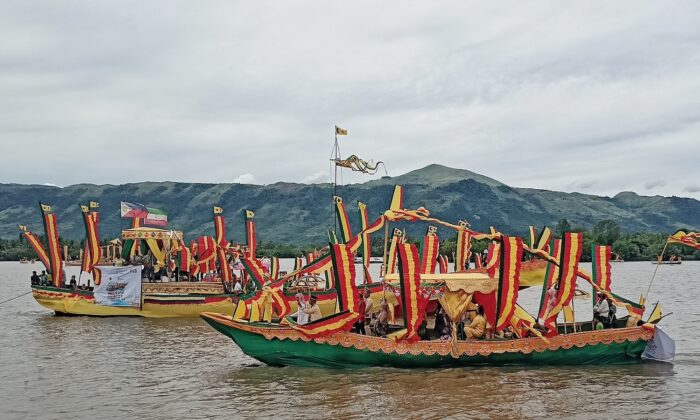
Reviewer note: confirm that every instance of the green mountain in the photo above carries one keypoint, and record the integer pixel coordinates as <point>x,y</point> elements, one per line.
<point>300,213</point>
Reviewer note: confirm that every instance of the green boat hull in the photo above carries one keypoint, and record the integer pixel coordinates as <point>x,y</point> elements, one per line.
<point>312,353</point>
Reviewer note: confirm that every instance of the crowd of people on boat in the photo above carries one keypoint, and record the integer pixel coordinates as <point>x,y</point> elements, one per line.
<point>44,279</point>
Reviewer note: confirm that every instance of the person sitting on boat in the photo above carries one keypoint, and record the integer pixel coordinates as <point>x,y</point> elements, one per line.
<point>73,283</point>
<point>477,328</point>
<point>601,310</point>
<point>35,279</point>
<point>301,317</point>
<point>43,278</point>
<point>312,310</point>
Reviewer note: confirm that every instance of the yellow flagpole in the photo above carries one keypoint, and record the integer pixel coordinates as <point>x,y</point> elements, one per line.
<point>658,263</point>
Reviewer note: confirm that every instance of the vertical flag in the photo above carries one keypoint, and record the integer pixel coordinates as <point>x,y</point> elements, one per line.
<point>185,258</point>
<point>274,268</point>
<point>492,258</point>
<point>251,239</point>
<point>410,290</point>
<point>36,245</point>
<point>444,264</point>
<point>600,255</point>
<point>396,239</point>
<point>571,247</point>
<point>53,244</point>
<point>344,272</point>
<point>343,220</point>
<point>219,226</point>
<point>533,236</point>
<point>223,263</point>
<point>463,247</point>
<point>508,280</point>
<point>366,247</point>
<point>429,251</point>
<point>93,251</point>
<point>397,198</point>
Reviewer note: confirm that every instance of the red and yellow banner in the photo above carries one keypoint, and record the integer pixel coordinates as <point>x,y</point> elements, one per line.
<point>571,247</point>
<point>365,247</point>
<point>37,246</point>
<point>410,290</point>
<point>463,249</point>
<point>224,266</point>
<point>429,250</point>
<point>255,270</point>
<point>396,239</point>
<point>93,251</point>
<point>344,273</point>
<point>54,246</point>
<point>493,258</point>
<point>343,220</point>
<point>533,236</point>
<point>508,280</point>
<point>250,236</point>
<point>600,255</point>
<point>691,239</point>
<point>185,258</point>
<point>219,226</point>
<point>444,264</point>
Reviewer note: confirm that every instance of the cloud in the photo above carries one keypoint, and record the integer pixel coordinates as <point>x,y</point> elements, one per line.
<point>317,178</point>
<point>613,98</point>
<point>246,178</point>
<point>692,188</point>
<point>654,184</point>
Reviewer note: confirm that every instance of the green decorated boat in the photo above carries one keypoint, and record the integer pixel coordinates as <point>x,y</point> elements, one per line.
<point>278,345</point>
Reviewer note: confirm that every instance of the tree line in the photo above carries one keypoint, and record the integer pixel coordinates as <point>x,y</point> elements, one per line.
<point>637,246</point>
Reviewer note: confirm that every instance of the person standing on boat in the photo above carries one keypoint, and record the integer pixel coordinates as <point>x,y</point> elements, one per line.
<point>312,310</point>
<point>302,317</point>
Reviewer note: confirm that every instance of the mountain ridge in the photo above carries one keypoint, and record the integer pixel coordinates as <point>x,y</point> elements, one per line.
<point>300,213</point>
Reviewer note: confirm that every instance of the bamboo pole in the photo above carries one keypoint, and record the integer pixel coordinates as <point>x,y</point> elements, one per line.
<point>658,263</point>
<point>386,244</point>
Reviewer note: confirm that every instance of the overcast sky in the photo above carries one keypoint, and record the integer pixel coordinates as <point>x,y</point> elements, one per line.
<point>596,97</point>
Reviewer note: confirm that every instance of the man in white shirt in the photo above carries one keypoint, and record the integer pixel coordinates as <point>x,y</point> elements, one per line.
<point>302,317</point>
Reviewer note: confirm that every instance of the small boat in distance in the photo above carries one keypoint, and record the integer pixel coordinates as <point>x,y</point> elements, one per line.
<point>673,260</point>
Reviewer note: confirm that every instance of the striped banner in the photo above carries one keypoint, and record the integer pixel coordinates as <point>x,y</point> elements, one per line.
<point>544,239</point>
<point>37,246</point>
<point>444,264</point>
<point>224,266</point>
<point>344,272</point>
<point>477,261</point>
<point>366,246</point>
<point>206,253</point>
<point>410,290</point>
<point>463,249</point>
<point>508,280</point>
<point>533,236</point>
<point>551,275</point>
<point>397,198</point>
<point>219,226</point>
<point>429,249</point>
<point>600,255</point>
<point>274,268</point>
<point>571,247</point>
<point>493,258</point>
<point>93,251</point>
<point>185,258</point>
<point>53,245</point>
<point>685,238</point>
<point>343,220</point>
<point>396,239</point>
<point>250,236</point>
<point>256,271</point>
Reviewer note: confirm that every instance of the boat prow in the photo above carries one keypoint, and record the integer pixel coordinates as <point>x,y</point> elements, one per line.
<point>279,345</point>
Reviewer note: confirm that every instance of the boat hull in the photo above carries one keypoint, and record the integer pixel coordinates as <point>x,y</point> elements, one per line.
<point>155,305</point>
<point>281,346</point>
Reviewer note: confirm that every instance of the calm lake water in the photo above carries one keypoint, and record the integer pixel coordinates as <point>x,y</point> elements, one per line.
<point>81,367</point>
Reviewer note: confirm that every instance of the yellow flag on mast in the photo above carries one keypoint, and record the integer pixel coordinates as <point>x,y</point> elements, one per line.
<point>340,131</point>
